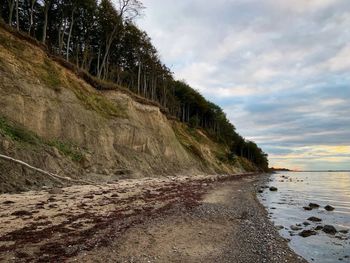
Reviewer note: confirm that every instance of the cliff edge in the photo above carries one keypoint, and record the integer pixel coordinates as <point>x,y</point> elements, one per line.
<point>54,120</point>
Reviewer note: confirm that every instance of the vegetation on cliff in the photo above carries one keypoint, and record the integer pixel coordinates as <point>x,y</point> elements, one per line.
<point>99,39</point>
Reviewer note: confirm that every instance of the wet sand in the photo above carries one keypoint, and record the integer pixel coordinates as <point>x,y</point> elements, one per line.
<point>182,219</point>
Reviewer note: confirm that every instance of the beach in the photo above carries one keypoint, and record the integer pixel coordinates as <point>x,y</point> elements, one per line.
<point>173,219</point>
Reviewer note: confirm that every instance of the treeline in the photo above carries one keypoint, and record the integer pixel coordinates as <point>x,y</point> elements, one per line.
<point>102,39</point>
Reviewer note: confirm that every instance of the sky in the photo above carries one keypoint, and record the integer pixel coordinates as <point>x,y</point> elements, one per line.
<point>279,69</point>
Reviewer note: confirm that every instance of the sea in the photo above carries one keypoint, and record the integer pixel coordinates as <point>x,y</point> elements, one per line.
<point>296,190</point>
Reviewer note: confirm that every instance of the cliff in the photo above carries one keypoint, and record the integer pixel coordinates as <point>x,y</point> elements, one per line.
<point>54,120</point>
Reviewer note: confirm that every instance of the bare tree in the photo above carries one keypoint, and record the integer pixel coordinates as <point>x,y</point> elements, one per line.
<point>127,10</point>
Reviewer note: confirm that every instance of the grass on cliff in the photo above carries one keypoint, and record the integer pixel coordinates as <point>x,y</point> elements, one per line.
<point>18,133</point>
<point>12,44</point>
<point>95,101</point>
<point>50,75</point>
<point>68,150</point>
<point>190,139</point>
<point>22,136</point>
<point>45,70</point>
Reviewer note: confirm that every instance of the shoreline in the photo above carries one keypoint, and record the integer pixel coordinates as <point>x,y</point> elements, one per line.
<point>176,219</point>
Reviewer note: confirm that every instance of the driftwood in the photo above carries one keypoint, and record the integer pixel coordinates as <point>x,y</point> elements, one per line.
<point>55,177</point>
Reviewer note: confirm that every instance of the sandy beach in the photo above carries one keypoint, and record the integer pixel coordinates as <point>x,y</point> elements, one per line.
<point>173,219</point>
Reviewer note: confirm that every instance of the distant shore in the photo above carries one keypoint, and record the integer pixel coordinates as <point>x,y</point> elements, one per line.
<point>203,219</point>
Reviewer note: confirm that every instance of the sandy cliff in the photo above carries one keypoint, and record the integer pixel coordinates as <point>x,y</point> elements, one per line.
<point>51,119</point>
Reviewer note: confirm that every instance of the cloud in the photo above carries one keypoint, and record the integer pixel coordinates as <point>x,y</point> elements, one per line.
<point>302,6</point>
<point>341,60</point>
<point>279,69</point>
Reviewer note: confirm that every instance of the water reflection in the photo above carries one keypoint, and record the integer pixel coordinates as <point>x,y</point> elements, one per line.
<point>295,191</point>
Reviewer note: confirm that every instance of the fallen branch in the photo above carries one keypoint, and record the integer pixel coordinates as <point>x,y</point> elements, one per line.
<point>55,177</point>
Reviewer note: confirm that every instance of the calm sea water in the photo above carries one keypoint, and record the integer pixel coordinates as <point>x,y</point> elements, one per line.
<point>298,189</point>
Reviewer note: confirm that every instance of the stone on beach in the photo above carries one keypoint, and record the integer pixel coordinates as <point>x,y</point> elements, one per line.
<point>273,189</point>
<point>55,191</point>
<point>22,213</point>
<point>8,202</point>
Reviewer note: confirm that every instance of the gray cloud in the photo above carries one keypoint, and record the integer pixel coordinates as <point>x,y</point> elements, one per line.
<point>278,68</point>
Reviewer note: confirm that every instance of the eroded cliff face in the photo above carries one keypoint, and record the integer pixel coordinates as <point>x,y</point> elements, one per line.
<point>74,129</point>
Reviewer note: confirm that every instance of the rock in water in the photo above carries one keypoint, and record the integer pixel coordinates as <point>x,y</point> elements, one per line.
<point>274,189</point>
<point>314,219</point>
<point>318,228</point>
<point>308,208</point>
<point>329,208</point>
<point>307,233</point>
<point>313,205</point>
<point>329,229</point>
<point>295,228</point>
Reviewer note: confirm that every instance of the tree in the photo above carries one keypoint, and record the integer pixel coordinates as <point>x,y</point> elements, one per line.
<point>128,9</point>
<point>31,15</point>
<point>46,8</point>
<point>11,6</point>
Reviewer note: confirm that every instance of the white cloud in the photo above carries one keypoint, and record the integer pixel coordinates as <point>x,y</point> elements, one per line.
<point>302,6</point>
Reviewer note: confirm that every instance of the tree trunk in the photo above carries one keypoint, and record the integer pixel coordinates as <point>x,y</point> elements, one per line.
<point>46,14</point>
<point>139,79</point>
<point>145,85</point>
<point>109,42</point>
<point>11,4</point>
<point>17,17</point>
<point>31,20</point>
<point>70,34</point>
<point>61,33</point>
<point>98,60</point>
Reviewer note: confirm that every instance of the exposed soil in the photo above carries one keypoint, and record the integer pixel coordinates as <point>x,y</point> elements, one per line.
<point>182,219</point>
